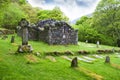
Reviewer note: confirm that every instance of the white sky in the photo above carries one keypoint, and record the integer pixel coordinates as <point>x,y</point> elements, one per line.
<point>71,8</point>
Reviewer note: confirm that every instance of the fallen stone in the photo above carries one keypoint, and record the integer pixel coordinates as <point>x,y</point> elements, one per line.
<point>68,53</point>
<point>37,54</point>
<point>25,48</point>
<point>88,58</point>
<point>51,58</point>
<point>31,59</point>
<point>84,60</point>
<point>117,56</point>
<point>98,56</point>
<point>67,58</point>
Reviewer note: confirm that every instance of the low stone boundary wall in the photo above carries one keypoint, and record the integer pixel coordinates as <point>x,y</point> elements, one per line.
<point>6,31</point>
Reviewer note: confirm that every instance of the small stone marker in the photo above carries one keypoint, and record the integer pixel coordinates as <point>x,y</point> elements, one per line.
<point>86,41</point>
<point>12,39</point>
<point>74,62</point>
<point>97,44</point>
<point>107,60</point>
<point>113,50</point>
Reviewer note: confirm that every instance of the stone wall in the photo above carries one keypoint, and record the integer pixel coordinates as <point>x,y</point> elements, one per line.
<point>52,32</point>
<point>33,33</point>
<point>6,32</point>
<point>63,35</point>
<point>43,35</point>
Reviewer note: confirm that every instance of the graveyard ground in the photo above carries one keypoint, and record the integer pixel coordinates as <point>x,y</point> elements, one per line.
<point>31,67</point>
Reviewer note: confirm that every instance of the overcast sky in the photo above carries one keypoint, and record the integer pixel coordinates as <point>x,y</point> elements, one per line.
<point>71,8</point>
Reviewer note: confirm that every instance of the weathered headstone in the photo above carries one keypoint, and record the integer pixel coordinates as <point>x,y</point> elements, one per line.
<point>74,62</point>
<point>12,39</point>
<point>107,60</point>
<point>24,47</point>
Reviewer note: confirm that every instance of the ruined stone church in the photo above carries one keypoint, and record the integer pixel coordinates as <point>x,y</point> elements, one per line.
<point>53,32</point>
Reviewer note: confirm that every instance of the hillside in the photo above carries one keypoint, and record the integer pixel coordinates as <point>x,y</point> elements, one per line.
<point>29,66</point>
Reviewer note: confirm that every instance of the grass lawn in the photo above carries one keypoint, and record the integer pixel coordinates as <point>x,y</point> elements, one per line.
<point>18,67</point>
<point>43,47</point>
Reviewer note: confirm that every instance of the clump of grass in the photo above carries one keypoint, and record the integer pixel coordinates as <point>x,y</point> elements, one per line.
<point>31,58</point>
<point>90,73</point>
<point>51,58</point>
<point>115,66</point>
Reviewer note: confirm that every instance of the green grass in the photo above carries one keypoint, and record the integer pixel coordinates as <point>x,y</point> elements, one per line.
<point>39,46</point>
<point>16,66</point>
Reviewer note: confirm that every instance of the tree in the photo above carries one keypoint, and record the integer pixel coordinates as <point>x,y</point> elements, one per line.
<point>56,13</point>
<point>31,13</point>
<point>106,19</point>
<point>11,15</point>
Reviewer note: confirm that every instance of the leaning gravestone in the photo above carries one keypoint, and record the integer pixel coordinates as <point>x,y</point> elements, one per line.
<point>74,62</point>
<point>24,47</point>
<point>107,60</point>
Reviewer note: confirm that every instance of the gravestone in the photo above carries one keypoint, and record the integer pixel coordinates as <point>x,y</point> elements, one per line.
<point>86,41</point>
<point>97,44</point>
<point>74,62</point>
<point>12,39</point>
<point>107,60</point>
<point>24,27</point>
<point>118,42</point>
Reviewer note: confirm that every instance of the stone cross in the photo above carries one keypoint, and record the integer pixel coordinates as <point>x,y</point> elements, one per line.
<point>24,25</point>
<point>107,60</point>
<point>74,62</point>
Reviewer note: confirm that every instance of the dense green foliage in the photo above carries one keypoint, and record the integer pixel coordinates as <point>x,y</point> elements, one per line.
<point>86,32</point>
<point>106,19</point>
<point>9,18</point>
<point>31,13</point>
<point>11,11</point>
<point>104,25</point>
<point>56,13</point>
